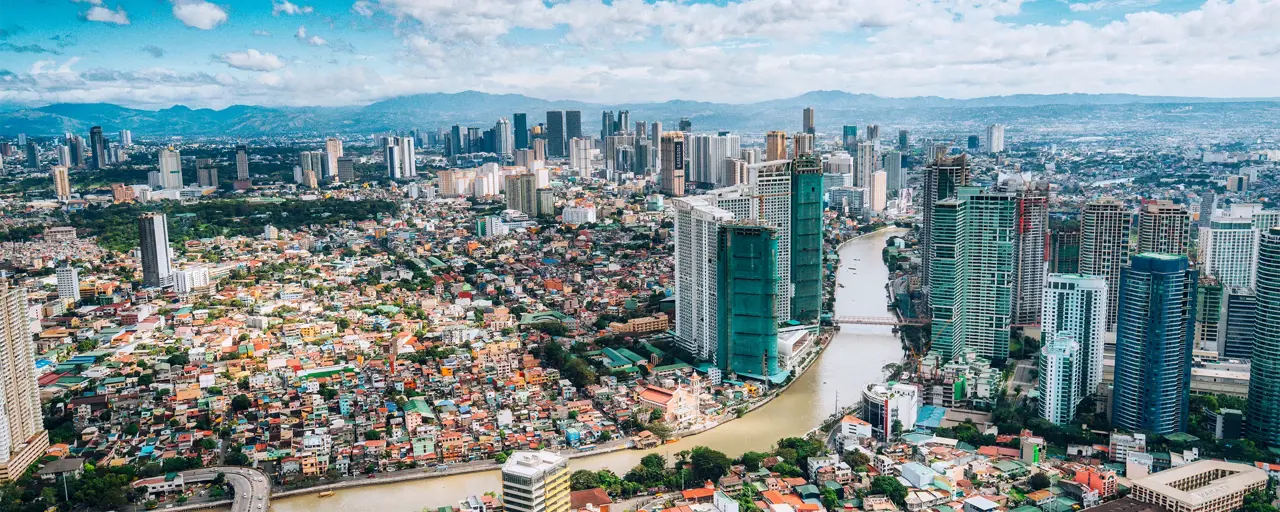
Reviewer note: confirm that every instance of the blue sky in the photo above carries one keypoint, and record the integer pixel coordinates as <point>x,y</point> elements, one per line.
<point>210,53</point>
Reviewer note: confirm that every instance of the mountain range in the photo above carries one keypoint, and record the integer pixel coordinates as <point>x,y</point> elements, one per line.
<point>472,108</point>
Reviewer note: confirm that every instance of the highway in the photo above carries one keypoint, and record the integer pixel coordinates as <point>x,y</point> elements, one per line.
<point>252,490</point>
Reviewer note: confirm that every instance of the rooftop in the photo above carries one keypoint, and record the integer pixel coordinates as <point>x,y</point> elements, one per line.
<point>1229,478</point>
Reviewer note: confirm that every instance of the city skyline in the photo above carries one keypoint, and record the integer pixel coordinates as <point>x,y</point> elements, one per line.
<point>341,52</point>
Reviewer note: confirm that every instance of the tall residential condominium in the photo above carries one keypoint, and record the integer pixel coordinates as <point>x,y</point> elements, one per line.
<point>697,237</point>
<point>1163,227</point>
<point>153,242</point>
<point>671,180</point>
<point>873,132</point>
<point>555,133</point>
<point>572,124</point>
<point>242,162</point>
<point>1227,248</point>
<point>535,482</point>
<point>400,157</point>
<point>1059,378</point>
<point>1240,318</point>
<point>801,144</point>
<point>312,162</point>
<point>521,193</point>
<point>949,254</point>
<point>806,239</point>
<point>1033,247</point>
<point>878,191</point>
<point>904,141</point>
<point>1104,247</point>
<point>1154,336</point>
<point>126,138</point>
<point>333,151</point>
<point>941,179</point>
<point>808,121</point>
<point>775,143</point>
<point>23,439</point>
<point>346,172</point>
<point>895,177</point>
<point>68,283</point>
<point>520,129</point>
<point>772,186</point>
<point>206,173</point>
<point>748,287</point>
<point>1064,247</point>
<point>707,154</point>
<point>33,155</point>
<point>995,138</point>
<point>1076,306</point>
<point>77,151</point>
<point>505,145</point>
<point>61,182</point>
<point>97,149</point>
<point>1262,420</point>
<point>1210,312</point>
<point>864,164</point>
<point>849,137</point>
<point>170,166</point>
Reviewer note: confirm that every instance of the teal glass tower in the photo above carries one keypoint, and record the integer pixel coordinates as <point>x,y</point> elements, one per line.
<point>1262,420</point>
<point>806,239</point>
<point>747,282</point>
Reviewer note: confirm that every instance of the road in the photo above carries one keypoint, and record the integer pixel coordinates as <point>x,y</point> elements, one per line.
<point>252,490</point>
<point>1022,378</point>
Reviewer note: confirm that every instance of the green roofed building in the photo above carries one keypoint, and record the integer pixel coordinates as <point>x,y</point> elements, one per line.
<point>747,287</point>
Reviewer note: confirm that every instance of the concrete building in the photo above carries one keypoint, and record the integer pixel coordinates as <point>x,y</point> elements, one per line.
<point>707,154</point>
<point>808,121</point>
<point>170,167</point>
<point>23,439</point>
<point>535,482</point>
<point>242,162</point>
<point>697,230</point>
<point>1163,227</point>
<point>1032,231</point>
<point>332,152</point>
<point>895,177</point>
<point>1201,486</point>
<point>68,283</point>
<point>1228,247</point>
<point>879,191</point>
<point>1061,371</point>
<point>1077,306</point>
<point>775,145</point>
<point>1263,418</point>
<point>995,138</point>
<point>153,240</point>
<point>888,408</point>
<point>941,179</point>
<point>771,184</point>
<point>61,182</point>
<point>672,178</point>
<point>1104,247</point>
<point>864,164</point>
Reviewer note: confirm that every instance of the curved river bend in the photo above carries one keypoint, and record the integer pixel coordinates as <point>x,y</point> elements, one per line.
<point>854,358</point>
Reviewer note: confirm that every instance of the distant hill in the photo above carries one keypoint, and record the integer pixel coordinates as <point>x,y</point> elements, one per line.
<point>474,108</point>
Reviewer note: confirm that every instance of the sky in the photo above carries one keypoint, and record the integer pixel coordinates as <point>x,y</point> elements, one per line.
<point>210,53</point>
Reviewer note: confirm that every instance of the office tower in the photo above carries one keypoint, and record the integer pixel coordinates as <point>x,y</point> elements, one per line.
<point>1153,344</point>
<point>948,247</point>
<point>539,150</point>
<point>1227,246</point>
<point>22,140</point>
<point>614,145</point>
<point>864,164</point>
<point>623,122</point>
<point>937,151</point>
<point>555,133</point>
<point>490,138</point>
<point>1163,227</point>
<point>878,190</point>
<point>748,285</point>
<point>456,146</point>
<point>849,137</point>
<point>505,139</point>
<point>64,156</point>
<point>408,158</point>
<point>1104,247</point>
<point>153,241</point>
<point>1064,246</point>
<point>1033,244</point>
<point>22,436</point>
<point>775,145</point>
<point>686,125</point>
<point>61,182</point>
<point>941,179</point>
<point>974,143</point>
<point>33,155</point>
<point>1060,374</point>
<point>242,162</point>
<point>707,156</point>
<point>990,221</point>
<point>521,193</point>
<point>581,151</point>
<point>995,138</point>
<point>170,168</point>
<point>520,126</point>
<point>77,151</point>
<point>1076,306</point>
<point>608,125</point>
<point>806,239</point>
<point>1240,310</point>
<point>904,141</point>
<point>572,124</point>
<point>873,132</point>
<point>68,283</point>
<point>895,178</point>
<point>772,188</point>
<point>535,482</point>
<point>346,170</point>
<point>391,156</point>
<point>97,148</point>
<point>808,121</point>
<point>672,176</point>
<point>310,161</point>
<point>126,138</point>
<point>333,151</point>
<point>474,140</point>
<point>1262,421</point>
<point>1210,310</point>
<point>802,145</point>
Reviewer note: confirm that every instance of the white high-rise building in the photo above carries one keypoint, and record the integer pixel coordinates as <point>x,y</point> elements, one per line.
<point>581,152</point>
<point>879,191</point>
<point>707,154</point>
<point>190,280</point>
<point>841,163</point>
<point>771,184</point>
<point>697,225</point>
<point>506,143</point>
<point>1076,305</point>
<point>535,482</point>
<point>69,283</point>
<point>170,164</point>
<point>995,138</point>
<point>1229,250</point>
<point>126,138</point>
<point>864,164</point>
<point>895,178</point>
<point>64,156</point>
<point>153,241</point>
<point>399,155</point>
<point>22,436</point>
<point>333,151</point>
<point>1060,371</point>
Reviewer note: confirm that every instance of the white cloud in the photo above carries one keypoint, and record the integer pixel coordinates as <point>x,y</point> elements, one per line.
<point>106,15</point>
<point>253,60</point>
<point>301,36</point>
<point>262,33</point>
<point>199,13</point>
<point>363,8</point>
<point>1110,4</point>
<point>290,8</point>
<point>93,2</point>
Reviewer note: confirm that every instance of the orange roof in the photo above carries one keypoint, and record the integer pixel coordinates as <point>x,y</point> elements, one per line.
<point>772,497</point>
<point>699,493</point>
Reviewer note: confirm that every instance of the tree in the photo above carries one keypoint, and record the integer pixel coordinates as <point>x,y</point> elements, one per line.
<point>707,464</point>
<point>237,458</point>
<point>856,459</point>
<point>241,402</point>
<point>654,461</point>
<point>179,359</point>
<point>583,479</point>
<point>891,488</point>
<point>752,460</point>
<point>1039,481</point>
<point>372,435</point>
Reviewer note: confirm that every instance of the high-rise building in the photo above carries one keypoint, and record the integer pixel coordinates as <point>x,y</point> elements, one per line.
<point>974,143</point>
<point>77,151</point>
<point>1262,420</point>
<point>686,125</point>
<point>990,219</point>
<point>61,182</point>
<point>806,239</point>
<point>808,121</point>
<point>1033,244</point>
<point>802,145</point>
<point>206,174</point>
<point>749,285</point>
<point>1104,247</point>
<point>23,439</point>
<point>572,124</point>
<point>520,126</point>
<point>1064,247</point>
<point>995,138</point>
<point>849,137</point>
<point>400,157</point>
<point>126,138</point>
<point>672,179</point>
<point>68,283</point>
<point>1227,247</point>
<point>33,155</point>
<point>949,252</point>
<point>707,156</point>
<point>772,187</point>
<point>1163,227</point>
<point>895,178</point>
<point>346,170</point>
<point>864,164</point>
<point>1059,379</point>
<point>879,191</point>
<point>333,151</point>
<point>521,193</point>
<point>775,145</point>
<point>1210,308</point>
<point>1076,306</point>
<point>873,132</point>
<point>1240,310</point>
<point>64,156</point>
<point>697,234</point>
<point>904,141</point>
<point>555,133</point>
<point>153,241</point>
<point>535,482</point>
<point>97,148</point>
<point>506,140</point>
<point>169,162</point>
<point>941,179</point>
<point>242,162</point>
<point>1153,344</point>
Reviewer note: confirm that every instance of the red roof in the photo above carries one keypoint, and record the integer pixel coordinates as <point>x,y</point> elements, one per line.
<point>596,497</point>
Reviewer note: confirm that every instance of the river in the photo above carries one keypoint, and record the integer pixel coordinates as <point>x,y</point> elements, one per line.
<point>854,358</point>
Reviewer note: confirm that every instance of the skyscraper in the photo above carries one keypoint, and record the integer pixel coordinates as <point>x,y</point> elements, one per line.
<point>802,145</point>
<point>748,287</point>
<point>1104,247</point>
<point>873,132</point>
<point>707,156</point>
<point>772,188</point>
<point>1033,244</point>
<point>949,253</point>
<point>864,164</point>
<point>849,137</point>
<point>346,170</point>
<point>521,193</point>
<point>77,151</point>
<point>126,138</point>
<point>64,156</point>
<point>61,182</point>
<point>333,151</point>
<point>895,178</point>
<point>1210,309</point>
<point>506,140</point>
<point>941,179</point>
<point>242,162</point>
<point>535,482</point>
<point>775,145</point>
<point>992,241</point>
<point>672,177</point>
<point>1262,420</point>
<point>904,141</point>
<point>33,155</point>
<point>169,162</point>
<point>23,439</point>
<point>1163,227</point>
<point>97,148</point>
<point>995,138</point>
<point>1064,247</point>
<point>456,145</point>
<point>697,234</point>
<point>1060,375</point>
<point>686,125</point>
<point>1153,344</point>
<point>206,174</point>
<point>153,241</point>
<point>1076,306</point>
<point>555,133</point>
<point>808,121</point>
<point>572,124</point>
<point>1227,246</point>
<point>520,125</point>
<point>806,239</point>
<point>68,283</point>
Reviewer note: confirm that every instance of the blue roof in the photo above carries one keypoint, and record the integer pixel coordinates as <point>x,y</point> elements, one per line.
<point>930,417</point>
